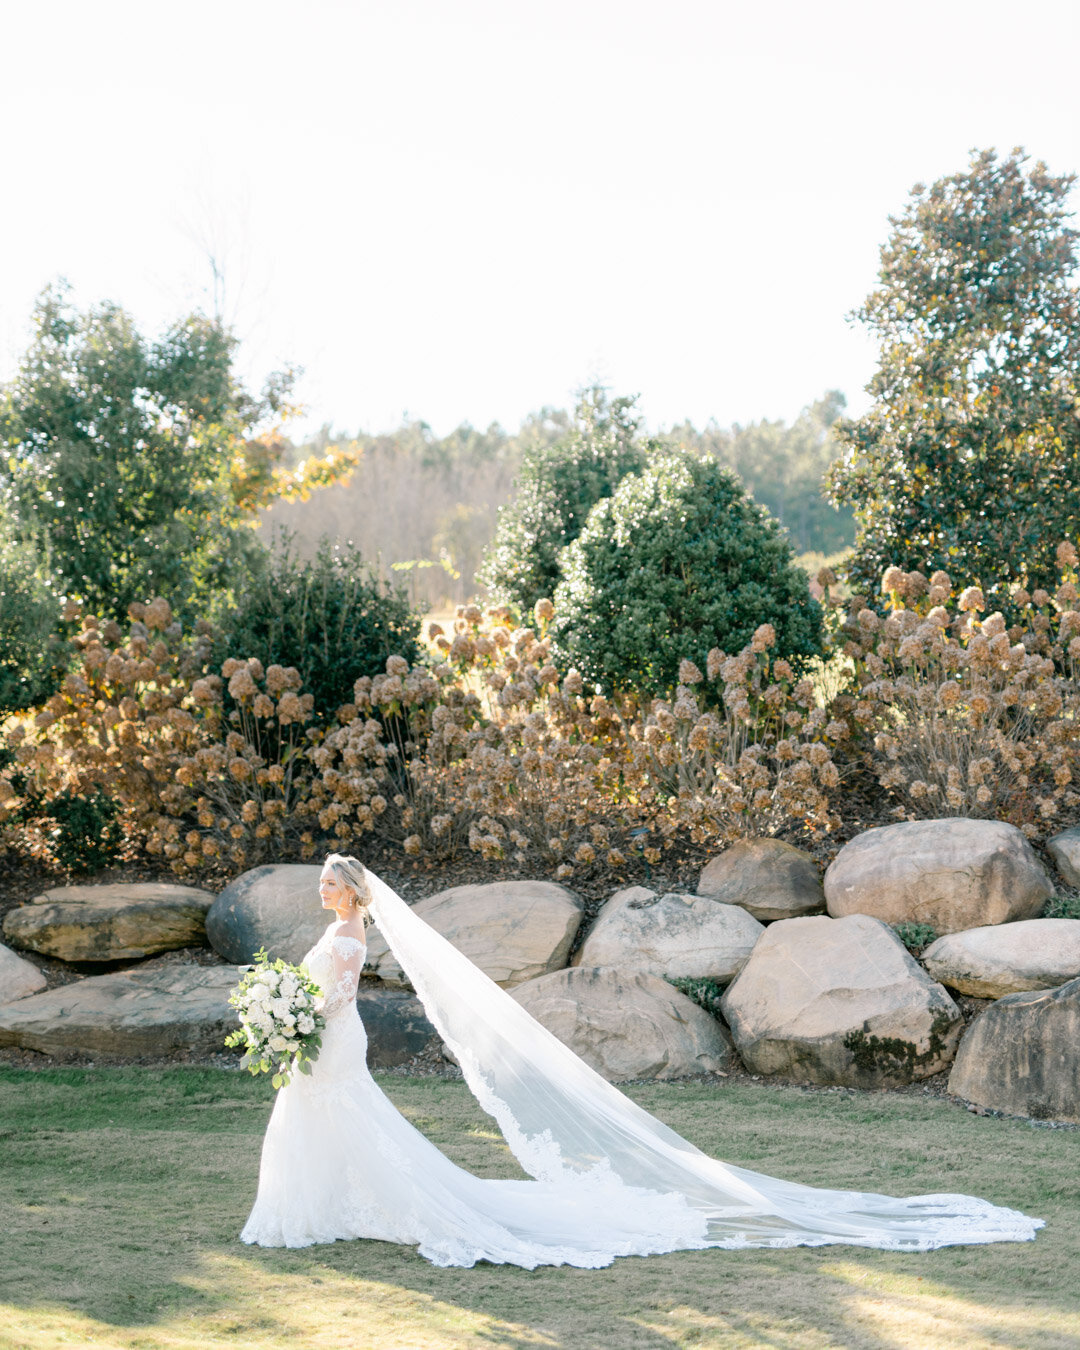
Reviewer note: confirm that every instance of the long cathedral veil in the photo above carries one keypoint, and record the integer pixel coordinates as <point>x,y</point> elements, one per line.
<point>564,1122</point>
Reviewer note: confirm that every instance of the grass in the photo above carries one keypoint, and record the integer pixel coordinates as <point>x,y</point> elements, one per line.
<point>122,1192</point>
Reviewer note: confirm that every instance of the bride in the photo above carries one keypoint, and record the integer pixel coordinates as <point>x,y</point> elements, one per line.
<point>339,1160</point>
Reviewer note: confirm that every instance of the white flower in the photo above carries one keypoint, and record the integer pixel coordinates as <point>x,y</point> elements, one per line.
<point>271,979</point>
<point>306,1023</point>
<point>278,1043</point>
<point>258,992</point>
<point>289,984</point>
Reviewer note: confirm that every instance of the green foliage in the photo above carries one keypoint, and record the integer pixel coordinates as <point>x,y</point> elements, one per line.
<point>915,936</point>
<point>677,562</point>
<point>329,616</point>
<point>891,1057</point>
<point>430,505</point>
<point>705,993</point>
<point>117,455</point>
<point>557,486</point>
<point>969,458</point>
<point>1065,906</point>
<point>782,468</point>
<point>88,835</point>
<point>33,654</point>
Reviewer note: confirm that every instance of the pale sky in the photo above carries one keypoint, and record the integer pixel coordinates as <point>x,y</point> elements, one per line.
<point>465,209</point>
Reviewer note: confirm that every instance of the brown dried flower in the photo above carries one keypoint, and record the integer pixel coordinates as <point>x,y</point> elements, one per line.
<point>971,599</point>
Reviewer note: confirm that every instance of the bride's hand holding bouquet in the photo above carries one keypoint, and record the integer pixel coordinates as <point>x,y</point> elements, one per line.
<point>280,1022</point>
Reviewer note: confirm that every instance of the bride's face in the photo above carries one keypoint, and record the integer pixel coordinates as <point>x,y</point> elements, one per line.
<point>332,893</point>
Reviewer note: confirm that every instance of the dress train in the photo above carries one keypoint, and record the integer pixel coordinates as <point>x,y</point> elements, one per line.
<point>340,1161</point>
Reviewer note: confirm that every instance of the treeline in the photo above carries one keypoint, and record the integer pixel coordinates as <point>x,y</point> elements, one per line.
<point>782,467</point>
<point>423,509</point>
<point>420,508</point>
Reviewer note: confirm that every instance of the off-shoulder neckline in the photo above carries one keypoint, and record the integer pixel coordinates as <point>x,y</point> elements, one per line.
<point>346,938</point>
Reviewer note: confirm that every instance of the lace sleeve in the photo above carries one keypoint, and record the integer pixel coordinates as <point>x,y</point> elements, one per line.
<point>348,954</point>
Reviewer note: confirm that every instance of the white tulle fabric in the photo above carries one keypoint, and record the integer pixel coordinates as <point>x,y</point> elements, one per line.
<point>339,1161</point>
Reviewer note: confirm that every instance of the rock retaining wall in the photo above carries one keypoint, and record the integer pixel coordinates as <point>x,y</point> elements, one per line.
<point>816,997</point>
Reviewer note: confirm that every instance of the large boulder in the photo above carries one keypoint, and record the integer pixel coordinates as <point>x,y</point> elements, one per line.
<point>18,977</point>
<point>951,874</point>
<point>767,877</point>
<point>513,930</point>
<point>1064,848</point>
<point>110,922</point>
<point>1022,1056</point>
<point>839,1001</point>
<point>673,934</point>
<point>1007,958</point>
<point>276,906</point>
<point>162,1007</point>
<point>627,1025</point>
<point>396,1025</point>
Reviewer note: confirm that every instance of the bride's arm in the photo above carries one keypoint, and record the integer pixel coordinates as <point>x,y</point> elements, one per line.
<point>348,954</point>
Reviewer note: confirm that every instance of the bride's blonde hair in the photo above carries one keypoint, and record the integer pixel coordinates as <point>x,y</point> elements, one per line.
<point>350,873</point>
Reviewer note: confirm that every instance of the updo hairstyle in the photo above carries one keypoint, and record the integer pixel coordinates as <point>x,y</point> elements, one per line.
<point>351,874</point>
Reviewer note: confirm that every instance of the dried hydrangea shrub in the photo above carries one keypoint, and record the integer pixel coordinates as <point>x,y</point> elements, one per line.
<point>967,714</point>
<point>755,761</point>
<point>142,721</point>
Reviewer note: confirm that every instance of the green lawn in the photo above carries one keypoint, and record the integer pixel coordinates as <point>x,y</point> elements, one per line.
<point>122,1192</point>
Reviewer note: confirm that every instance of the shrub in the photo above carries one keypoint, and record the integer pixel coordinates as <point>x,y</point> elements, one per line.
<point>677,562</point>
<point>761,764</point>
<point>705,993</point>
<point>88,835</point>
<point>1062,907</point>
<point>141,721</point>
<point>557,486</point>
<point>488,750</point>
<point>915,936</point>
<point>966,715</point>
<point>327,617</point>
<point>491,754</point>
<point>499,754</point>
<point>33,655</point>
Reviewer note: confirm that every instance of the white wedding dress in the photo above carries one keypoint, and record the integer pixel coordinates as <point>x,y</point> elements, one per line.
<point>339,1160</point>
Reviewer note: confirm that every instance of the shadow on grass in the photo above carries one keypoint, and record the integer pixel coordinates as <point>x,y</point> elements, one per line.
<point>122,1195</point>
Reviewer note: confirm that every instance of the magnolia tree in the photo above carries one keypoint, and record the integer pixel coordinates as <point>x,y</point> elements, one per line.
<point>969,458</point>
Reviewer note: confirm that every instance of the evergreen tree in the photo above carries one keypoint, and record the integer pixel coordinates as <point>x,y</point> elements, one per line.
<point>969,458</point>
<point>557,486</point>
<point>118,457</point>
<point>678,561</point>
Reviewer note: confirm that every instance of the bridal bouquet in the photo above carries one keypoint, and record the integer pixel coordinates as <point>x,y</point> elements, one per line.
<point>280,1026</point>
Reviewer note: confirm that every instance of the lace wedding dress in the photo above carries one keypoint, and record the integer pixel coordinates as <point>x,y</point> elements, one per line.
<point>339,1160</point>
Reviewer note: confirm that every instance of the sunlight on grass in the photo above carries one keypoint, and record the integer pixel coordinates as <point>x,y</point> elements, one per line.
<point>239,1301</point>
<point>371,1318</point>
<point>906,1311</point>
